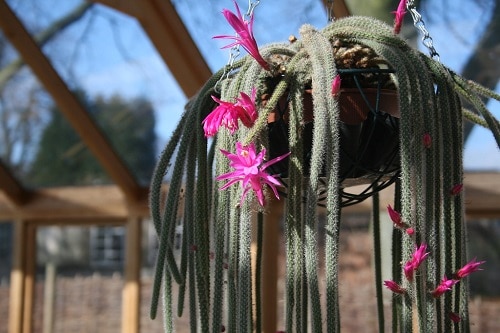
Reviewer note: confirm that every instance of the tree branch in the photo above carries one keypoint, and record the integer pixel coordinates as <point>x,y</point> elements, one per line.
<point>484,64</point>
<point>45,36</point>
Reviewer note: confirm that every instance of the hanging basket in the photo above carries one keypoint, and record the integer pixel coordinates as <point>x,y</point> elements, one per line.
<point>369,134</point>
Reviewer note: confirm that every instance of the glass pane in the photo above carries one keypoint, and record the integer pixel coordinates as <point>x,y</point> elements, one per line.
<point>79,284</point>
<point>108,61</point>
<point>150,248</point>
<point>483,235</point>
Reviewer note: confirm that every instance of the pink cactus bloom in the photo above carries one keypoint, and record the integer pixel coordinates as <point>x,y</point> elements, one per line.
<point>394,287</point>
<point>245,37</point>
<point>427,140</point>
<point>470,267</point>
<point>408,270</point>
<point>454,317</point>
<point>456,189</point>
<point>444,286</point>
<point>246,102</point>
<point>419,255</point>
<point>336,85</point>
<point>250,171</point>
<point>227,114</point>
<point>399,15</point>
<point>417,258</point>
<point>410,231</point>
<point>395,217</point>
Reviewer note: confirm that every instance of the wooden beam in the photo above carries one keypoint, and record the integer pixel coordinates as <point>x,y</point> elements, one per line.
<point>174,43</point>
<point>131,301</point>
<point>129,7</point>
<point>67,102</point>
<point>108,203</point>
<point>168,33</point>
<point>12,187</point>
<point>65,204</point>
<point>482,194</point>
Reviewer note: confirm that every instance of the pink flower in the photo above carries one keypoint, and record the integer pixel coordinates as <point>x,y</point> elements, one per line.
<point>410,231</point>
<point>456,189</point>
<point>417,258</point>
<point>245,38</point>
<point>246,102</point>
<point>336,85</point>
<point>443,287</point>
<point>250,171</point>
<point>454,317</point>
<point>419,255</point>
<point>470,267</point>
<point>408,270</point>
<point>395,217</point>
<point>399,14</point>
<point>427,140</point>
<point>394,287</point>
<point>227,114</point>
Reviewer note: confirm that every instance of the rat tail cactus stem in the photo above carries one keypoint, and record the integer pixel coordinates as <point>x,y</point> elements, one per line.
<point>215,267</point>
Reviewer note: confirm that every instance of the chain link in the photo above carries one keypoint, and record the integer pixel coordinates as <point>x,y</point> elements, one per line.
<point>329,11</point>
<point>251,7</point>
<point>419,23</point>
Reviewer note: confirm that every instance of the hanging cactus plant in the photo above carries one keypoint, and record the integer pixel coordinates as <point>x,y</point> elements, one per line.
<point>221,179</point>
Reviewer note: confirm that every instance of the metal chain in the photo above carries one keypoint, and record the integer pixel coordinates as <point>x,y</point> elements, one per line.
<point>329,11</point>
<point>234,52</point>
<point>251,7</point>
<point>419,23</point>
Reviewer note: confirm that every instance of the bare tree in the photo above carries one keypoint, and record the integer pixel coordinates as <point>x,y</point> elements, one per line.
<point>23,103</point>
<point>483,66</point>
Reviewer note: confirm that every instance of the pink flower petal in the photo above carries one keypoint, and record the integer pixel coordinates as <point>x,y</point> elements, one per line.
<point>456,189</point>
<point>443,287</point>
<point>227,114</point>
<point>454,317</point>
<point>414,263</point>
<point>395,216</point>
<point>394,287</point>
<point>399,14</point>
<point>245,37</point>
<point>249,171</point>
<point>471,267</point>
<point>336,85</point>
<point>427,140</point>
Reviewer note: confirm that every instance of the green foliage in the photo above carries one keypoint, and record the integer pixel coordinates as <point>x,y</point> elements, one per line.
<point>63,159</point>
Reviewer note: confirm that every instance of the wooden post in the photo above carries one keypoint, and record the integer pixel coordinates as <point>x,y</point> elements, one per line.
<point>49,298</point>
<point>22,277</point>
<point>270,255</point>
<point>17,278</point>
<point>132,287</point>
<point>29,276</point>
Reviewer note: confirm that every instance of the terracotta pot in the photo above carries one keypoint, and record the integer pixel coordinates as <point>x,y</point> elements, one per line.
<point>369,136</point>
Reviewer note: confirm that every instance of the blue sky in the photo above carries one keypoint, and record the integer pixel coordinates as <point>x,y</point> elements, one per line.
<point>109,54</point>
